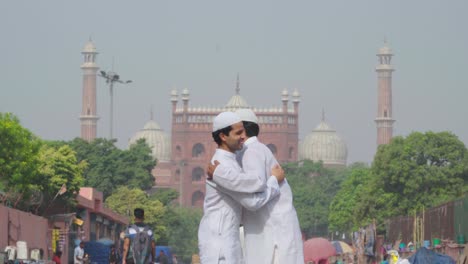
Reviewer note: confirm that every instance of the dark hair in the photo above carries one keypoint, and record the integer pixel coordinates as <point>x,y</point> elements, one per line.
<point>251,129</point>
<point>217,133</point>
<point>58,253</point>
<point>139,213</point>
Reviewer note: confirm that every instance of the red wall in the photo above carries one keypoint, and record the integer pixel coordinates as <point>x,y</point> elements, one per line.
<point>17,225</point>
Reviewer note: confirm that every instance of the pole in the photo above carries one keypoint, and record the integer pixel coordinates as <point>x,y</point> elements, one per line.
<point>111,86</point>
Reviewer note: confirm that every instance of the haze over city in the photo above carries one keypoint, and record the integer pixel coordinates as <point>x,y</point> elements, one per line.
<point>326,50</point>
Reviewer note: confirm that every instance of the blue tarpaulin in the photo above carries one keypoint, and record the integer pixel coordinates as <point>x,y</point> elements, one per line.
<point>98,252</point>
<point>424,256</point>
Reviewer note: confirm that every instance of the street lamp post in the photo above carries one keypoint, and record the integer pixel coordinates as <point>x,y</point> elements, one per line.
<point>112,77</point>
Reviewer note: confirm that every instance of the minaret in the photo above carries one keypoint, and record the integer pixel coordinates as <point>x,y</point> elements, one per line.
<point>384,118</point>
<point>88,115</point>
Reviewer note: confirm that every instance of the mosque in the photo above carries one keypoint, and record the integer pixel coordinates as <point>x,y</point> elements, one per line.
<point>183,153</point>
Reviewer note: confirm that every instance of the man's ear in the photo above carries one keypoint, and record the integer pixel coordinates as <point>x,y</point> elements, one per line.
<point>222,136</point>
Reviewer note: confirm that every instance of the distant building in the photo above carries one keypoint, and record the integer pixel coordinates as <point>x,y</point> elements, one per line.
<point>191,144</point>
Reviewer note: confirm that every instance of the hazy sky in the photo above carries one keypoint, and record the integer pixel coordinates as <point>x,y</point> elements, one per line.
<point>325,49</point>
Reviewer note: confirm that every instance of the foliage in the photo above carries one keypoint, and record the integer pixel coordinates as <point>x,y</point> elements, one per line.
<point>182,231</point>
<point>109,167</point>
<point>124,200</point>
<point>59,167</point>
<point>343,208</point>
<point>165,195</point>
<point>18,157</point>
<point>313,187</point>
<point>421,170</point>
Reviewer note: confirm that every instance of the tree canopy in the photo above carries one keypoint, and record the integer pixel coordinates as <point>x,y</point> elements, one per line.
<point>343,216</point>
<point>313,188</point>
<point>408,174</point>
<point>110,167</point>
<point>32,172</point>
<point>421,170</point>
<point>124,200</point>
<point>18,156</point>
<point>59,167</point>
<point>182,231</point>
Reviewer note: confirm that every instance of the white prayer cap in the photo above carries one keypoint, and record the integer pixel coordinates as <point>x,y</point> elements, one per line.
<point>247,114</point>
<point>225,119</point>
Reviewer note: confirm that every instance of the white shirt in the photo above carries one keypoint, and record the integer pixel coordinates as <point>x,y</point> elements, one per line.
<point>218,234</point>
<point>273,226</point>
<point>79,252</point>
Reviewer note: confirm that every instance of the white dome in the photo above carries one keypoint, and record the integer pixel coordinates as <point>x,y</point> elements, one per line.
<point>159,142</point>
<point>236,102</point>
<point>324,144</point>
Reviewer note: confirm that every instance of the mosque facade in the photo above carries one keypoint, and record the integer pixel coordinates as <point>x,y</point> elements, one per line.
<point>191,143</point>
<point>183,153</point>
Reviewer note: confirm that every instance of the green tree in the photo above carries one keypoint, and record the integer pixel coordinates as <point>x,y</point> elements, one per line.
<point>421,170</point>
<point>313,188</point>
<point>135,166</point>
<point>124,200</point>
<point>59,167</point>
<point>109,167</point>
<point>343,214</point>
<point>182,231</point>
<point>165,195</point>
<point>18,158</point>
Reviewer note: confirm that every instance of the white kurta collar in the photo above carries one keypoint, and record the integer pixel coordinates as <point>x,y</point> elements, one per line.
<point>226,153</point>
<point>250,140</point>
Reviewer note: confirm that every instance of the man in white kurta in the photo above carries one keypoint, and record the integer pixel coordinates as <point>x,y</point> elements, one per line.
<point>272,234</point>
<point>218,233</point>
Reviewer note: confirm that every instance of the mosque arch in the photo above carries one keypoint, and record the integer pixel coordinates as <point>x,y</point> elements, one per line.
<point>291,152</point>
<point>273,148</point>
<point>177,174</point>
<point>197,198</point>
<point>197,174</point>
<point>178,151</point>
<point>198,150</point>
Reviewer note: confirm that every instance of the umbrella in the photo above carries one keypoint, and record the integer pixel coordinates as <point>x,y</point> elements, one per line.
<point>342,248</point>
<point>317,249</point>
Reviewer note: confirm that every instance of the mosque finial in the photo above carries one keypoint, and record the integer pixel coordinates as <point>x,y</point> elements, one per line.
<point>151,113</point>
<point>323,114</point>
<point>237,85</point>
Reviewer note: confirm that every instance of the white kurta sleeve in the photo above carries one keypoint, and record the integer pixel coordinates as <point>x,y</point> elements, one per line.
<point>254,201</point>
<point>252,178</point>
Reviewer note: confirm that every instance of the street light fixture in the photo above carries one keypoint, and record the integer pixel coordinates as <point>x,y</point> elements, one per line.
<point>112,77</point>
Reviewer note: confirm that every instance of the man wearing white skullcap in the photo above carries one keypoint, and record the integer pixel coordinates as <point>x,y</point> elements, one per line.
<point>272,233</point>
<point>218,233</point>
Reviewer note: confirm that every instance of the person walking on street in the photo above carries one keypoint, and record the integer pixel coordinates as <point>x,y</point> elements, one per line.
<point>162,258</point>
<point>78,256</point>
<point>139,245</point>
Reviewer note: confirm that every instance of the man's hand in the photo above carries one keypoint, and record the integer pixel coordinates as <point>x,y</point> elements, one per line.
<point>211,168</point>
<point>278,172</point>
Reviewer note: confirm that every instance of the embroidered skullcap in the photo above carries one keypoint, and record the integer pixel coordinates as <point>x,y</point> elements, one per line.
<point>247,114</point>
<point>225,119</point>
